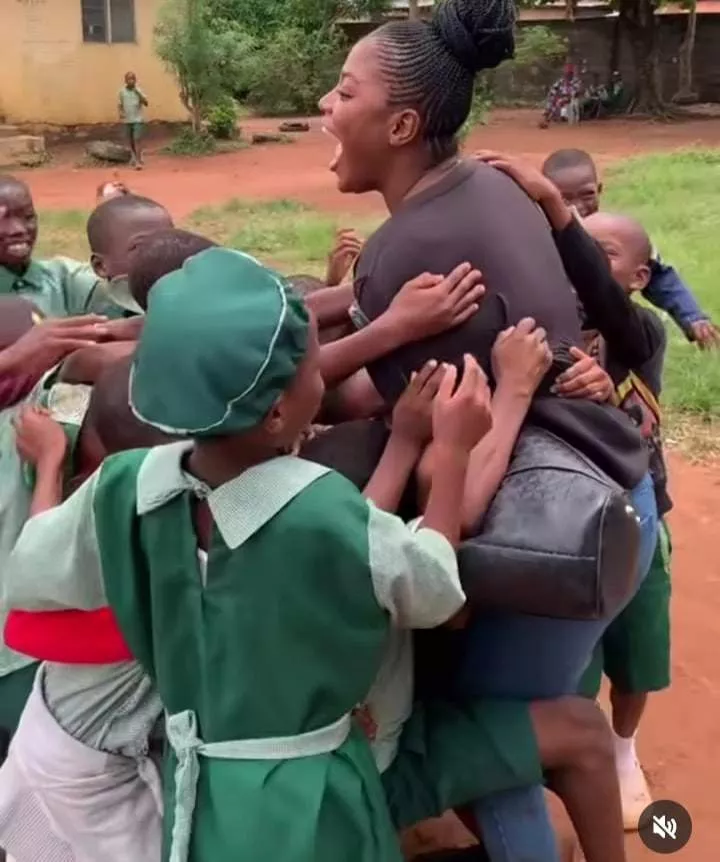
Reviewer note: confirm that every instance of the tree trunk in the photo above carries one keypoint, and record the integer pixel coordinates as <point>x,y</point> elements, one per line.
<point>640,23</point>
<point>685,91</point>
<point>614,57</point>
<point>414,10</point>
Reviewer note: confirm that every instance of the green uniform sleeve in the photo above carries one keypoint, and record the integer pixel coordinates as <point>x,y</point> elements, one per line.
<point>55,563</point>
<point>415,572</point>
<point>85,293</point>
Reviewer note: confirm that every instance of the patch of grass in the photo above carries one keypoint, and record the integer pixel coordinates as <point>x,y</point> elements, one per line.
<point>675,196</point>
<point>63,232</point>
<point>283,233</point>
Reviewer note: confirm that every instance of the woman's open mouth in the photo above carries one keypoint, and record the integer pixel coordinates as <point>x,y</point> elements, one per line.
<point>338,150</point>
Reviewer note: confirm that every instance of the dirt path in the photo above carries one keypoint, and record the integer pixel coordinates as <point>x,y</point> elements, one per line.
<point>299,170</point>
<point>680,740</point>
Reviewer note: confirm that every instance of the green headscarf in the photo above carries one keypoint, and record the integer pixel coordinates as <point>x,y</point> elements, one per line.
<point>222,340</point>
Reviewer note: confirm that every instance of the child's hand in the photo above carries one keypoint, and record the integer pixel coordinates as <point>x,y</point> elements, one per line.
<point>38,438</point>
<point>431,304</point>
<point>521,357</point>
<point>463,417</point>
<point>345,252</point>
<point>705,334</point>
<point>535,184</point>
<point>412,416</point>
<point>49,342</point>
<point>586,378</point>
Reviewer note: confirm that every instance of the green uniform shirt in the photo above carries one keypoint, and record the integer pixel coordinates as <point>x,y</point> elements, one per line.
<point>60,287</point>
<point>67,404</point>
<point>131,104</point>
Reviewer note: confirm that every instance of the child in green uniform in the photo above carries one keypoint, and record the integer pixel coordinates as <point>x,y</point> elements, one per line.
<point>87,725</point>
<point>131,101</point>
<point>60,287</point>
<point>189,545</point>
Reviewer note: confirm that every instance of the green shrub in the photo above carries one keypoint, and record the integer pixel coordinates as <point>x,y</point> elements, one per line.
<point>191,143</point>
<point>222,119</point>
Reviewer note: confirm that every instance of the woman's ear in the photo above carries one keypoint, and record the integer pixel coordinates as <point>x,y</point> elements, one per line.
<point>405,128</point>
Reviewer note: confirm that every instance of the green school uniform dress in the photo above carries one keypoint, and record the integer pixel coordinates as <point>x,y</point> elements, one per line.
<point>60,287</point>
<point>67,404</point>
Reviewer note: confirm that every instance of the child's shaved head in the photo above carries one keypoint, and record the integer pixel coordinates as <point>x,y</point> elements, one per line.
<point>159,254</point>
<point>627,246</point>
<point>116,226</point>
<point>109,418</point>
<point>575,175</point>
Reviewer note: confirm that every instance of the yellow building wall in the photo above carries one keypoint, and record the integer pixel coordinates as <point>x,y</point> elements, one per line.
<point>51,76</point>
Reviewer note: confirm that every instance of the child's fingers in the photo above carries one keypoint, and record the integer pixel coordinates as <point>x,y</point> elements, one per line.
<point>81,320</point>
<point>471,376</point>
<point>447,384</point>
<point>421,377</point>
<point>576,385</point>
<point>467,284</point>
<point>487,155</point>
<point>526,326</point>
<point>431,385</point>
<point>455,278</point>
<point>579,368</point>
<point>577,353</point>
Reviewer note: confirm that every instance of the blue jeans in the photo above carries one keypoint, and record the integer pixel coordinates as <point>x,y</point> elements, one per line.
<point>535,658</point>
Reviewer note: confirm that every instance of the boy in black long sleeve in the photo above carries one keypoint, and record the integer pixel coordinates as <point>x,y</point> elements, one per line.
<point>606,263</point>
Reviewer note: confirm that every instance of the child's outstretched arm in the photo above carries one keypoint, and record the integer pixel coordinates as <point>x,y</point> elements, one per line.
<point>411,431</point>
<point>425,306</point>
<point>667,291</point>
<point>41,442</point>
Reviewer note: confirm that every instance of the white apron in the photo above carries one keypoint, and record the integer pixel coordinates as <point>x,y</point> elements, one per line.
<point>61,801</point>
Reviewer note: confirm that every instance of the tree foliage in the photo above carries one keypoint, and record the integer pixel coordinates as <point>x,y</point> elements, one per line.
<point>202,58</point>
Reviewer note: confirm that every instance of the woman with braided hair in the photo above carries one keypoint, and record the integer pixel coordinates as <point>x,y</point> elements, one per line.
<point>403,95</point>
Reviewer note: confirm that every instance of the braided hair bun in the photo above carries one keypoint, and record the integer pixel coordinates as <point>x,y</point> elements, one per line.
<point>478,33</point>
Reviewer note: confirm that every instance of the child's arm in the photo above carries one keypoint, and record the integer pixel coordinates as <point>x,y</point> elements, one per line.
<point>425,306</point>
<point>411,431</point>
<point>608,307</point>
<point>460,421</point>
<point>414,569</point>
<point>669,292</point>
<point>41,442</point>
<point>121,107</point>
<point>330,305</point>
<point>521,357</point>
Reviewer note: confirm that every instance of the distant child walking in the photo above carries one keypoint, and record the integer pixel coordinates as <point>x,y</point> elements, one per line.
<point>131,102</point>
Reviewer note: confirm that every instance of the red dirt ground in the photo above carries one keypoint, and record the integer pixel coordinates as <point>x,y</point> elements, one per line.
<point>680,738</point>
<point>299,170</point>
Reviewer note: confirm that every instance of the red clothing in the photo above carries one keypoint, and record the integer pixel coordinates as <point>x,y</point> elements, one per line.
<point>69,637</point>
<point>14,387</point>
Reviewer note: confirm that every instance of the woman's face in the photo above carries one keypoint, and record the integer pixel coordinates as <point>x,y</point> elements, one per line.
<point>356,113</point>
